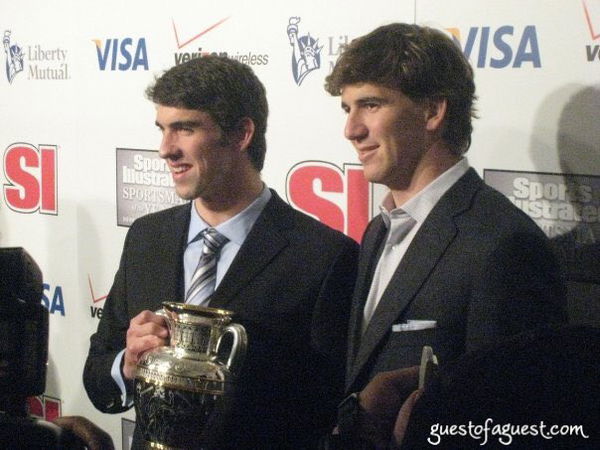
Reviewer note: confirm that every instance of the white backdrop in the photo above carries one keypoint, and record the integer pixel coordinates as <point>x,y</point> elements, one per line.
<point>80,96</point>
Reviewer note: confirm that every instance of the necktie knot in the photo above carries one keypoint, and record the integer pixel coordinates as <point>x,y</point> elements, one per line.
<point>203,280</point>
<point>213,241</point>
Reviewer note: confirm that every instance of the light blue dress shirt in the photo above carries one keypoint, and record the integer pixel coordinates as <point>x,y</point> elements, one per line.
<point>236,229</point>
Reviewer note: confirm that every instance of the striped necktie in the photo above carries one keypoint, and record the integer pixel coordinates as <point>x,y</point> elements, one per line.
<point>202,284</point>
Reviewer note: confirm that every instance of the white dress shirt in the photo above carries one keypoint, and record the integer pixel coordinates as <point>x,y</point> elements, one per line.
<point>403,223</point>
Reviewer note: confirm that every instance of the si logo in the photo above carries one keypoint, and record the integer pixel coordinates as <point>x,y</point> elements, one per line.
<point>337,197</point>
<point>124,54</point>
<point>44,407</point>
<point>501,47</point>
<point>31,175</point>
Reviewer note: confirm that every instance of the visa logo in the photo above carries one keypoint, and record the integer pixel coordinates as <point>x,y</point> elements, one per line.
<point>501,47</point>
<point>124,54</point>
<point>53,299</point>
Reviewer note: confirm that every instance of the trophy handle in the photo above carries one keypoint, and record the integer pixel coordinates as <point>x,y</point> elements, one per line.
<point>238,348</point>
<point>163,313</point>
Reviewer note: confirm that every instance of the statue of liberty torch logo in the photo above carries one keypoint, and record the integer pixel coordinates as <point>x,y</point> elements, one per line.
<point>306,56</point>
<point>14,57</point>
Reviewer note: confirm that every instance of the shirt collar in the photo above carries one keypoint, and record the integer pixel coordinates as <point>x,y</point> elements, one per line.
<point>423,203</point>
<point>235,228</point>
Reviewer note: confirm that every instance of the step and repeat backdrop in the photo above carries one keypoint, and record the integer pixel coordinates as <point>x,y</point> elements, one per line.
<point>79,145</point>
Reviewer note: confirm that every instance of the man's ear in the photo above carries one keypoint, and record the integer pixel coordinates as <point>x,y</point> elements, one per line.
<point>435,113</point>
<point>244,133</point>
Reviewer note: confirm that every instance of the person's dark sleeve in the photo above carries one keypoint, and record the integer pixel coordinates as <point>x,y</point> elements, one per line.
<point>106,343</point>
<point>331,314</point>
<point>518,288</point>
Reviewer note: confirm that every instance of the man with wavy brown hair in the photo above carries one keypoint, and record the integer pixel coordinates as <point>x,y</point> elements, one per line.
<point>449,263</point>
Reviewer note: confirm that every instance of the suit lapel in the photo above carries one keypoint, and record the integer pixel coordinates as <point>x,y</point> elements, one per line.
<point>262,244</point>
<point>369,255</point>
<point>166,267</point>
<point>424,252</point>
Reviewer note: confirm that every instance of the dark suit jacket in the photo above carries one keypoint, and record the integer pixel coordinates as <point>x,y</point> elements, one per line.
<point>290,286</point>
<point>478,266</point>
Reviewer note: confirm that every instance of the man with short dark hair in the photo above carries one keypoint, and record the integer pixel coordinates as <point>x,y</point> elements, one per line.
<point>449,263</point>
<point>287,277</point>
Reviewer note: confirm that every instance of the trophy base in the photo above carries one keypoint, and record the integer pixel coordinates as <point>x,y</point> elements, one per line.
<point>175,419</point>
<point>158,446</point>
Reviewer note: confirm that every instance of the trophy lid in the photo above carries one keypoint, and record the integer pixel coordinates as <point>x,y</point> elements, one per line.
<point>190,313</point>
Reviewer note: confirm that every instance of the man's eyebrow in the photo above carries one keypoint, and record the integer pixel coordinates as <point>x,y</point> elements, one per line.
<point>372,99</point>
<point>366,100</point>
<point>180,124</point>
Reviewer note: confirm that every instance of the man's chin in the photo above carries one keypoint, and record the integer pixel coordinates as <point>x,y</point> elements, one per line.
<point>373,177</point>
<point>185,194</point>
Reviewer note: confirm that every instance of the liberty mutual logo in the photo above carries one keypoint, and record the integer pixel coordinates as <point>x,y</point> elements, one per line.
<point>43,62</point>
<point>306,55</point>
<point>14,57</point>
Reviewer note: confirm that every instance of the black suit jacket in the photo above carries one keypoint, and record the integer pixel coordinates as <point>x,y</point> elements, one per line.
<point>290,286</point>
<point>478,266</point>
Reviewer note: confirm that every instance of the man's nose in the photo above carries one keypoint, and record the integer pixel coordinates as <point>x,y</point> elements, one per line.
<point>355,129</point>
<point>168,144</point>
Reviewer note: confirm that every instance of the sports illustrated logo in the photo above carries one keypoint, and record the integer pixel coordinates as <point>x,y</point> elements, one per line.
<point>306,52</point>
<point>591,10</point>
<point>95,311</point>
<point>563,205</point>
<point>44,407</point>
<point>32,176</point>
<point>14,57</point>
<point>498,48</point>
<point>44,63</point>
<point>249,58</point>
<point>121,54</point>
<point>144,185</point>
<point>53,299</point>
<point>337,197</point>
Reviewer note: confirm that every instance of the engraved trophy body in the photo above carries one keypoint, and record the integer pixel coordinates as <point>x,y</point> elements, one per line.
<point>183,391</point>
